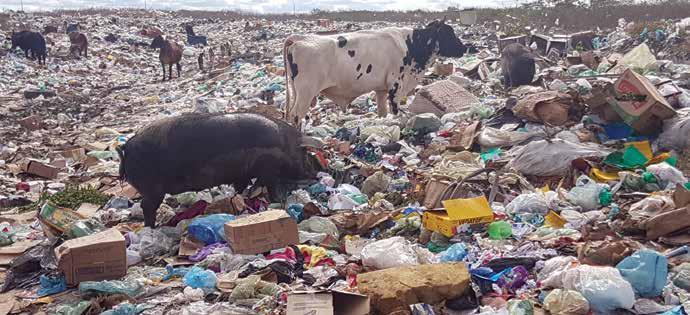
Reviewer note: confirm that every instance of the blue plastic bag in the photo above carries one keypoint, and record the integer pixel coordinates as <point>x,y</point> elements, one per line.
<point>209,229</point>
<point>456,252</point>
<point>200,278</point>
<point>296,211</point>
<point>646,270</point>
<point>51,285</point>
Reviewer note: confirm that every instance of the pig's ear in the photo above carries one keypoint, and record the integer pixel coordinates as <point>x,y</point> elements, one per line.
<point>311,142</point>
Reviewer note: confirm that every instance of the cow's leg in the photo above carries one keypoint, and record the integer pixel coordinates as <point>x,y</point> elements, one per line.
<point>150,205</point>
<point>179,68</point>
<point>382,103</point>
<point>170,71</point>
<point>162,64</point>
<point>395,96</point>
<point>305,97</point>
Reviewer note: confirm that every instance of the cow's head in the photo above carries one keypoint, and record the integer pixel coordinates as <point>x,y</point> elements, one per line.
<point>158,42</point>
<point>449,45</point>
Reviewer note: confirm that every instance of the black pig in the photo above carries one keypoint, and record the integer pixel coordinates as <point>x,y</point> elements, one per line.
<point>30,41</point>
<point>193,152</point>
<point>517,65</point>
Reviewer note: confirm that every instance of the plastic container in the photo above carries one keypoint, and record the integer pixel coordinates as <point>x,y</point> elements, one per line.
<point>209,229</point>
<point>500,230</point>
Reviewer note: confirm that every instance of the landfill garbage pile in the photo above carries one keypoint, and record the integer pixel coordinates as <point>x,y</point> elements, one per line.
<point>569,195</point>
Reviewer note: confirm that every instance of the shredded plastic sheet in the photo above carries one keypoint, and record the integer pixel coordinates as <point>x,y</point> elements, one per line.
<point>551,158</point>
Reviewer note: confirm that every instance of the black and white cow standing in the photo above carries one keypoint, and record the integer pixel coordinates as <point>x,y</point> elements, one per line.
<point>390,61</point>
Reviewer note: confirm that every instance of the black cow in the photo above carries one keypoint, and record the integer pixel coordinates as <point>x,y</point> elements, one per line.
<point>517,65</point>
<point>30,41</point>
<point>193,152</point>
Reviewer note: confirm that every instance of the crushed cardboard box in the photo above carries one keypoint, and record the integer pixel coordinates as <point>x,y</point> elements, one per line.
<point>261,232</point>
<point>639,103</point>
<point>100,256</point>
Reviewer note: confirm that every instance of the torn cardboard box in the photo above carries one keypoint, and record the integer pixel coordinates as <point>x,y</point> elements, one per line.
<point>261,232</point>
<point>327,303</point>
<point>41,169</point>
<point>550,107</point>
<point>639,103</point>
<point>441,98</point>
<point>96,257</point>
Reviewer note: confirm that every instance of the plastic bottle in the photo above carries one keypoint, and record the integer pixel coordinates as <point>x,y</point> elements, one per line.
<point>500,230</point>
<point>209,229</point>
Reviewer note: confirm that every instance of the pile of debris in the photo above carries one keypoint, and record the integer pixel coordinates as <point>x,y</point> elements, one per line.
<point>568,195</point>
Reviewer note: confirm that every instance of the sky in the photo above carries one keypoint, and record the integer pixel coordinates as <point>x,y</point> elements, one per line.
<point>260,6</point>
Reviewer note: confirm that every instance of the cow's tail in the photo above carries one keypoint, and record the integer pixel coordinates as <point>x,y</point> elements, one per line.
<point>288,78</point>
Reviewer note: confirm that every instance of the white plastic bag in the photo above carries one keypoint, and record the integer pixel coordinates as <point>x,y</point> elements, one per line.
<point>389,253</point>
<point>586,193</point>
<point>566,302</point>
<point>542,158</point>
<point>317,224</point>
<point>492,137</point>
<point>537,202</point>
<point>676,131</point>
<point>603,287</point>
<point>668,175</point>
<point>551,275</point>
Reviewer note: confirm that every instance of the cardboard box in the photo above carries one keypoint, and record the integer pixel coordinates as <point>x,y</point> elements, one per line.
<point>41,169</point>
<point>639,103</point>
<point>458,212</point>
<point>31,123</point>
<point>96,257</point>
<point>58,218</point>
<point>77,154</point>
<point>327,303</point>
<point>261,232</point>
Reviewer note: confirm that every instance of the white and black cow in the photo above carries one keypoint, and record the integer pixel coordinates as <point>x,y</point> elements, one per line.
<point>390,61</point>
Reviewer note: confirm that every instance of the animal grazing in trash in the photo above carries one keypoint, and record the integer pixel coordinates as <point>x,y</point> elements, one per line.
<point>50,29</point>
<point>193,152</point>
<point>69,28</point>
<point>171,53</point>
<point>78,44</point>
<point>112,38</point>
<point>517,65</point>
<point>151,32</point>
<point>193,39</point>
<point>30,41</point>
<point>389,61</point>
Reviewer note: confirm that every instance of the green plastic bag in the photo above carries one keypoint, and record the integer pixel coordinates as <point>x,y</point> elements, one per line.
<point>629,159</point>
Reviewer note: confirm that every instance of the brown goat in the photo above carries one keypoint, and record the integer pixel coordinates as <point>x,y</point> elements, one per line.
<point>79,44</point>
<point>171,53</point>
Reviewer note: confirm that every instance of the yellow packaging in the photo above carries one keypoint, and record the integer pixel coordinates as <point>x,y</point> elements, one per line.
<point>554,220</point>
<point>458,212</point>
<point>602,176</point>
